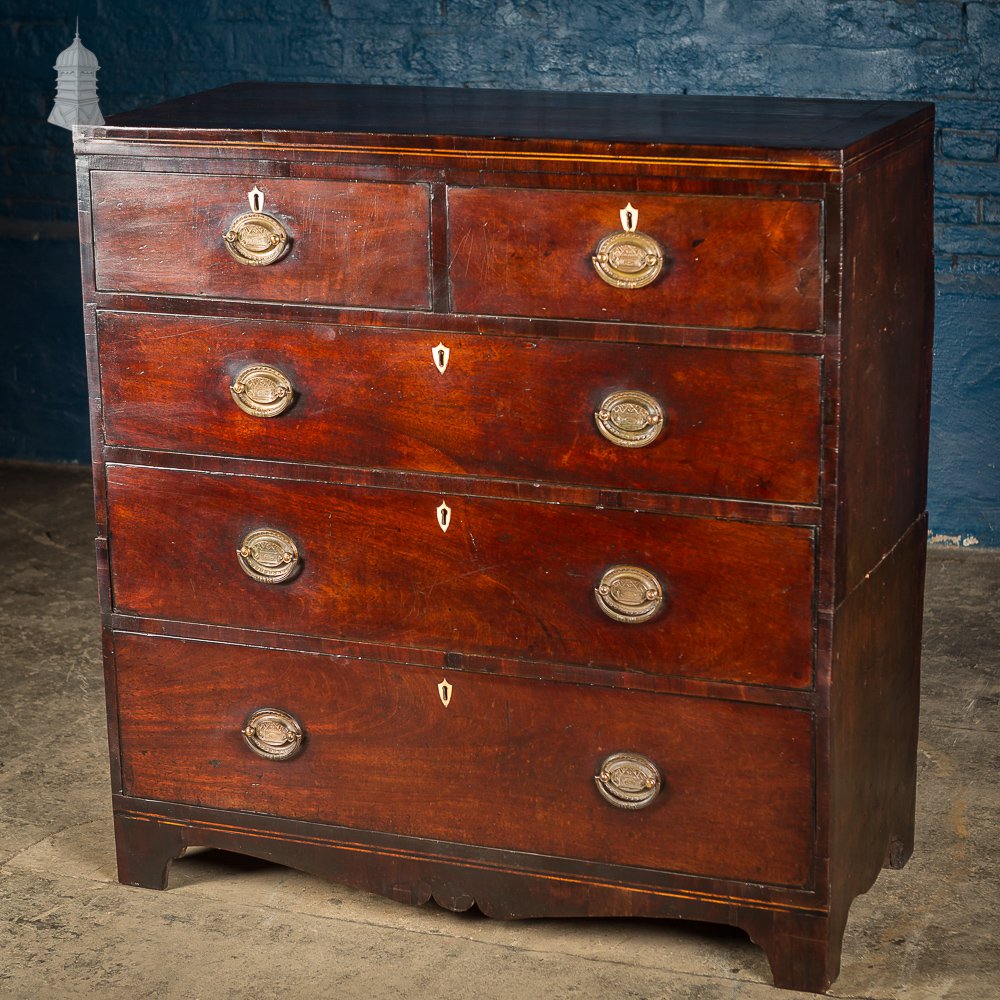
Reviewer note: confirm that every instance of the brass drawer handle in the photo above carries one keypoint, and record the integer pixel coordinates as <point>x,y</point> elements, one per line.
<point>268,556</point>
<point>628,780</point>
<point>273,734</point>
<point>262,391</point>
<point>629,594</point>
<point>255,238</point>
<point>628,259</point>
<point>630,418</point>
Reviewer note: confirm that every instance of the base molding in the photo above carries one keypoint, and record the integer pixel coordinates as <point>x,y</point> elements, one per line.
<point>801,938</point>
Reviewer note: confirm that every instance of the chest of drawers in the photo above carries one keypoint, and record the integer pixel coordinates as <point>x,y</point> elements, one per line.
<point>516,500</point>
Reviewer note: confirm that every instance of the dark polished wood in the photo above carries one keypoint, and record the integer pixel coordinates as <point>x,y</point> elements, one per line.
<point>737,778</point>
<point>510,665</point>
<point>800,940</point>
<point>530,327</point>
<point>349,244</point>
<point>533,885</point>
<point>729,262</point>
<point>145,851</point>
<point>874,718</point>
<point>376,566</point>
<point>820,127</point>
<point>782,507</point>
<point>515,489</point>
<point>886,348</point>
<point>502,407</point>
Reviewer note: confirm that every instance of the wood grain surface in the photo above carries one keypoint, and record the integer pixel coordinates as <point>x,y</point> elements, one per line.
<point>738,424</point>
<point>350,244</point>
<point>813,130</point>
<point>738,262</point>
<point>888,318</point>
<point>509,763</point>
<point>788,340</point>
<point>506,574</point>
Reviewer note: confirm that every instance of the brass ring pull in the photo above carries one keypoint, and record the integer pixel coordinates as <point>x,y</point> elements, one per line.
<point>630,418</point>
<point>629,594</point>
<point>628,259</point>
<point>628,780</point>
<point>255,238</point>
<point>273,734</point>
<point>268,556</point>
<point>262,391</point>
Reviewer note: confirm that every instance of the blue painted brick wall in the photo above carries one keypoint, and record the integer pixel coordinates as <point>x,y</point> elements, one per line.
<point>939,50</point>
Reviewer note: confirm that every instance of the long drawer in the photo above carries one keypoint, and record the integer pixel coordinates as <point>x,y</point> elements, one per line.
<point>616,589</point>
<point>507,763</point>
<point>725,261</point>
<point>353,244</point>
<point>727,423</point>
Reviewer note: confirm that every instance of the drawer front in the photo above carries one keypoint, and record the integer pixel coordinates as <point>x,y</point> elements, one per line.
<point>380,750</point>
<point>727,261</point>
<point>733,424</point>
<point>347,244</point>
<point>375,565</point>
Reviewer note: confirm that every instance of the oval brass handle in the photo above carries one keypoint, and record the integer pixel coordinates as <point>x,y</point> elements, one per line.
<point>630,418</point>
<point>273,734</point>
<point>256,239</point>
<point>628,780</point>
<point>629,594</point>
<point>628,259</point>
<point>262,391</point>
<point>268,556</point>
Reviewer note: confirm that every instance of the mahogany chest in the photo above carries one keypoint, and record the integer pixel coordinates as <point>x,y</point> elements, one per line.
<point>516,499</point>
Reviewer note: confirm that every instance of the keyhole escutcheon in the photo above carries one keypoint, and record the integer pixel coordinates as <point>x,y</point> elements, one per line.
<point>440,354</point>
<point>444,692</point>
<point>444,516</point>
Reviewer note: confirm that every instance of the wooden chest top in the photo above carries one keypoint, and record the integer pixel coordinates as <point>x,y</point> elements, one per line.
<point>807,131</point>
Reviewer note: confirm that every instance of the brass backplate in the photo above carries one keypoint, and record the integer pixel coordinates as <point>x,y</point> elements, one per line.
<point>256,239</point>
<point>630,418</point>
<point>268,556</point>
<point>628,259</point>
<point>262,391</point>
<point>274,734</point>
<point>629,594</point>
<point>628,780</point>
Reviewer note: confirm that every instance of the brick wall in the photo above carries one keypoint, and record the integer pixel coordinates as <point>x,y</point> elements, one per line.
<point>939,50</point>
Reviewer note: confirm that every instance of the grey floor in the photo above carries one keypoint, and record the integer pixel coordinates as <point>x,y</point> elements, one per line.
<point>233,927</point>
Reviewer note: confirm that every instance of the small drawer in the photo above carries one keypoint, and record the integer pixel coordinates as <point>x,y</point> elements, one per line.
<point>510,763</point>
<point>750,263</point>
<point>725,423</point>
<point>614,589</point>
<point>309,241</point>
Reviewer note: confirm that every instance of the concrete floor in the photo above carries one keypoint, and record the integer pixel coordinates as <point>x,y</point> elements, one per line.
<point>235,927</point>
